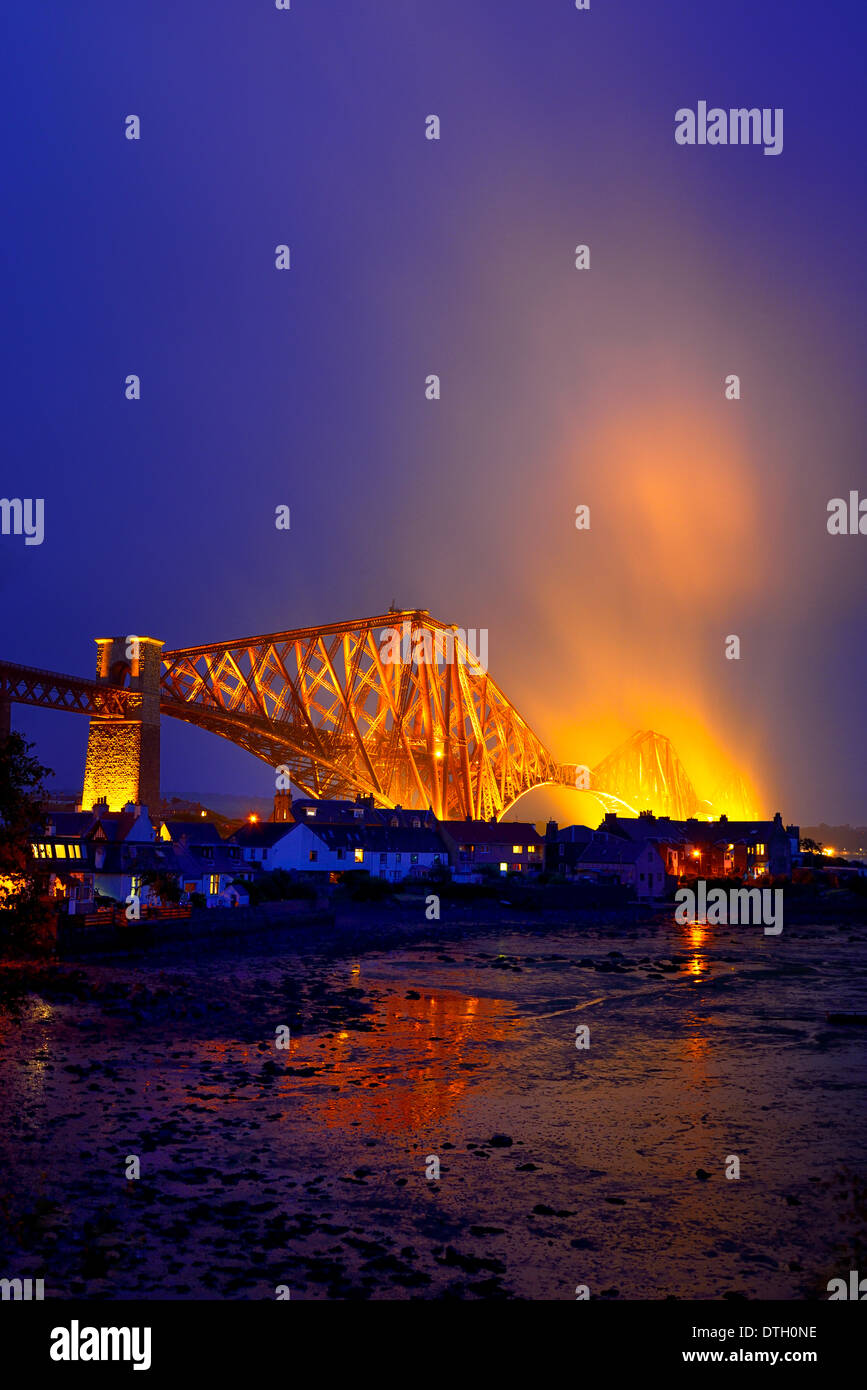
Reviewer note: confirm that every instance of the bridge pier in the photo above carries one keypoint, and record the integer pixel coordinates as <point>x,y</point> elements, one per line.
<point>123,754</point>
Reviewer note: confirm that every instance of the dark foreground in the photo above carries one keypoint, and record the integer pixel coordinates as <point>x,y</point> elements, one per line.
<point>306,1169</point>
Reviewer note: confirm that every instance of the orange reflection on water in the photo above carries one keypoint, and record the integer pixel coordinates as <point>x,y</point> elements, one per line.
<point>403,1075</point>
<point>696,1046</point>
<point>696,937</point>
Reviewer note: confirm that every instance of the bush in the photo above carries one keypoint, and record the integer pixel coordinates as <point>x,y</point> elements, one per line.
<point>278,886</point>
<point>370,890</point>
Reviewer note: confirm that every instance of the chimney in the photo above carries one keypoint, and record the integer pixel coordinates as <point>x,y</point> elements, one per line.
<point>282,806</point>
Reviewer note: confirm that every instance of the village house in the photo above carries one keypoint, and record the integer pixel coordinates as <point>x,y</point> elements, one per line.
<point>500,847</point>
<point>219,869</point>
<point>563,848</point>
<point>713,849</point>
<point>89,857</point>
<point>361,811</point>
<point>392,853</point>
<point>634,864</point>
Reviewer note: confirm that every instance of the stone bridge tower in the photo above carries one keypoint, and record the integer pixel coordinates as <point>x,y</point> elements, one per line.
<point>123,754</point>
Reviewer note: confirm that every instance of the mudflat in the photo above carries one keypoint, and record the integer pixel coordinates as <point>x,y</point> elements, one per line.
<point>583,1089</point>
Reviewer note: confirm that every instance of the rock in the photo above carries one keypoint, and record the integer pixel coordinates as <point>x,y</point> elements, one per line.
<point>500,1141</point>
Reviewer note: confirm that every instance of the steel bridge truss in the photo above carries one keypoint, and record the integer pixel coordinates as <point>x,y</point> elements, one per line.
<point>28,685</point>
<point>346,710</point>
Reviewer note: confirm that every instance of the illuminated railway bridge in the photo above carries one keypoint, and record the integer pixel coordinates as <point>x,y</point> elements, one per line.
<point>338,710</point>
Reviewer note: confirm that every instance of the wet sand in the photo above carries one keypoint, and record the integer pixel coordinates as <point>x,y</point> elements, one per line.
<point>306,1168</point>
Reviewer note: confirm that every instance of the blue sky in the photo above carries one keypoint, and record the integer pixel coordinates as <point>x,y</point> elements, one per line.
<point>409,257</point>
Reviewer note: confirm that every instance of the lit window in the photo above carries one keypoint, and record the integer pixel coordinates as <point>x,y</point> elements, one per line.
<point>215,883</point>
<point>359,856</point>
<point>531,849</point>
<point>135,884</point>
<point>60,851</point>
<point>517,849</point>
<point>503,868</point>
<point>313,856</point>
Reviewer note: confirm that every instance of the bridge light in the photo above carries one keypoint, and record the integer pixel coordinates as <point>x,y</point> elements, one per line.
<point>253,817</point>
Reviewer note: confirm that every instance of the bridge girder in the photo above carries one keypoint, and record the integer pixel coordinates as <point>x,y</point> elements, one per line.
<point>345,712</point>
<point>29,685</point>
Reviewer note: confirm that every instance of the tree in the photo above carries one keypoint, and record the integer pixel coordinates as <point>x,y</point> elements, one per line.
<point>164,884</point>
<point>811,846</point>
<point>21,820</point>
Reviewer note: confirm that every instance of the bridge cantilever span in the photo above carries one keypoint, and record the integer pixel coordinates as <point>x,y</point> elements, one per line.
<point>399,707</point>
<point>346,709</point>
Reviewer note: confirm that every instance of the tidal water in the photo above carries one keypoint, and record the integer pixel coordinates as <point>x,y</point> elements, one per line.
<point>313,1169</point>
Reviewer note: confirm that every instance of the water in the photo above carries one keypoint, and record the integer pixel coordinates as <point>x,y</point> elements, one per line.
<point>307,1169</point>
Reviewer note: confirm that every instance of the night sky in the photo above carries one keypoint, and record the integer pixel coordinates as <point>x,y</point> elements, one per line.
<point>456,257</point>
